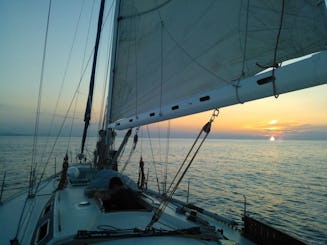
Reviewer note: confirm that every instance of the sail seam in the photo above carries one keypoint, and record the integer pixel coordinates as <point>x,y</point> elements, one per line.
<point>145,12</point>
<point>194,59</point>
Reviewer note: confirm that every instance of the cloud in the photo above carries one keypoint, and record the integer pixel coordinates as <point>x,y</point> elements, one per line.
<point>16,120</point>
<point>290,130</point>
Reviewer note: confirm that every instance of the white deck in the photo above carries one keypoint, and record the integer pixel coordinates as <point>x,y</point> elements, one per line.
<point>11,210</point>
<point>73,211</point>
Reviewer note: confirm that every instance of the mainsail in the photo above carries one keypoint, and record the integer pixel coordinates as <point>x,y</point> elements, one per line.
<point>175,58</point>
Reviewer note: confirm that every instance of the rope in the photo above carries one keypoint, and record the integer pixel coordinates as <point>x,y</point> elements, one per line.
<point>190,151</point>
<point>121,148</point>
<point>63,179</point>
<point>141,177</point>
<point>135,140</point>
<point>206,130</point>
<point>276,48</point>
<point>237,85</point>
<point>155,169</point>
<point>245,36</point>
<point>166,157</point>
<point>275,64</point>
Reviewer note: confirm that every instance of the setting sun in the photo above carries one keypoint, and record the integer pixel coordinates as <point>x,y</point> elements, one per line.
<point>272,138</point>
<point>273,122</point>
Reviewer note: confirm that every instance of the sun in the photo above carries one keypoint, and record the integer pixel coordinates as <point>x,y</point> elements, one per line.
<point>272,138</point>
<point>272,122</point>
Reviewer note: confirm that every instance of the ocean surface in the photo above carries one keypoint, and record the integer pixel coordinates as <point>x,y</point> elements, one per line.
<point>285,182</point>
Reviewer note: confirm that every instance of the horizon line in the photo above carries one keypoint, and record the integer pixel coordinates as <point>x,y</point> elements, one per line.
<point>179,136</point>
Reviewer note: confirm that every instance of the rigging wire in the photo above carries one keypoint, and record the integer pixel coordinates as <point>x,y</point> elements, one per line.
<point>180,174</point>
<point>68,110</point>
<point>109,54</point>
<point>37,121</point>
<point>63,123</point>
<point>87,37</point>
<point>36,126</point>
<point>65,73</point>
<point>72,124</point>
<point>89,103</point>
<point>101,116</point>
<point>61,87</point>
<point>64,120</point>
<point>153,162</point>
<point>166,157</point>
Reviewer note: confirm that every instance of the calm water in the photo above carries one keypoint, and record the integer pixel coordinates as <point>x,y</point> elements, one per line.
<point>285,182</point>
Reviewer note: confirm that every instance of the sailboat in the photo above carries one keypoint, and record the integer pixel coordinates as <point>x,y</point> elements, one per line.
<point>170,59</point>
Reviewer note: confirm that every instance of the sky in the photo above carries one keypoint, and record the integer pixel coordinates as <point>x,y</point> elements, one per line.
<point>297,115</point>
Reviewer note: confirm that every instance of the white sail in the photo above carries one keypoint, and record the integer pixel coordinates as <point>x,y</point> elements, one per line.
<point>172,53</point>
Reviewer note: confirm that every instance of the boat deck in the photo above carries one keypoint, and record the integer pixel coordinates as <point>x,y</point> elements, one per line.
<point>71,216</point>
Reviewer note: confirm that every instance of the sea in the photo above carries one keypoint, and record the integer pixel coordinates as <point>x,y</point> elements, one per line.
<point>284,182</point>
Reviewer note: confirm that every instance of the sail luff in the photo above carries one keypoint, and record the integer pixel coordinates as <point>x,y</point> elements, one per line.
<point>302,74</point>
<point>113,59</point>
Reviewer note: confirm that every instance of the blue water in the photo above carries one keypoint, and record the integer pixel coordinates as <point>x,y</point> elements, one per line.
<point>285,182</point>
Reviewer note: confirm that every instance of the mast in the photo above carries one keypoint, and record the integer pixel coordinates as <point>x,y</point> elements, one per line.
<point>87,115</point>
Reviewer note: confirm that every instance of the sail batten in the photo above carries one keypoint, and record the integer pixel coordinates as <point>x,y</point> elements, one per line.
<point>173,51</point>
